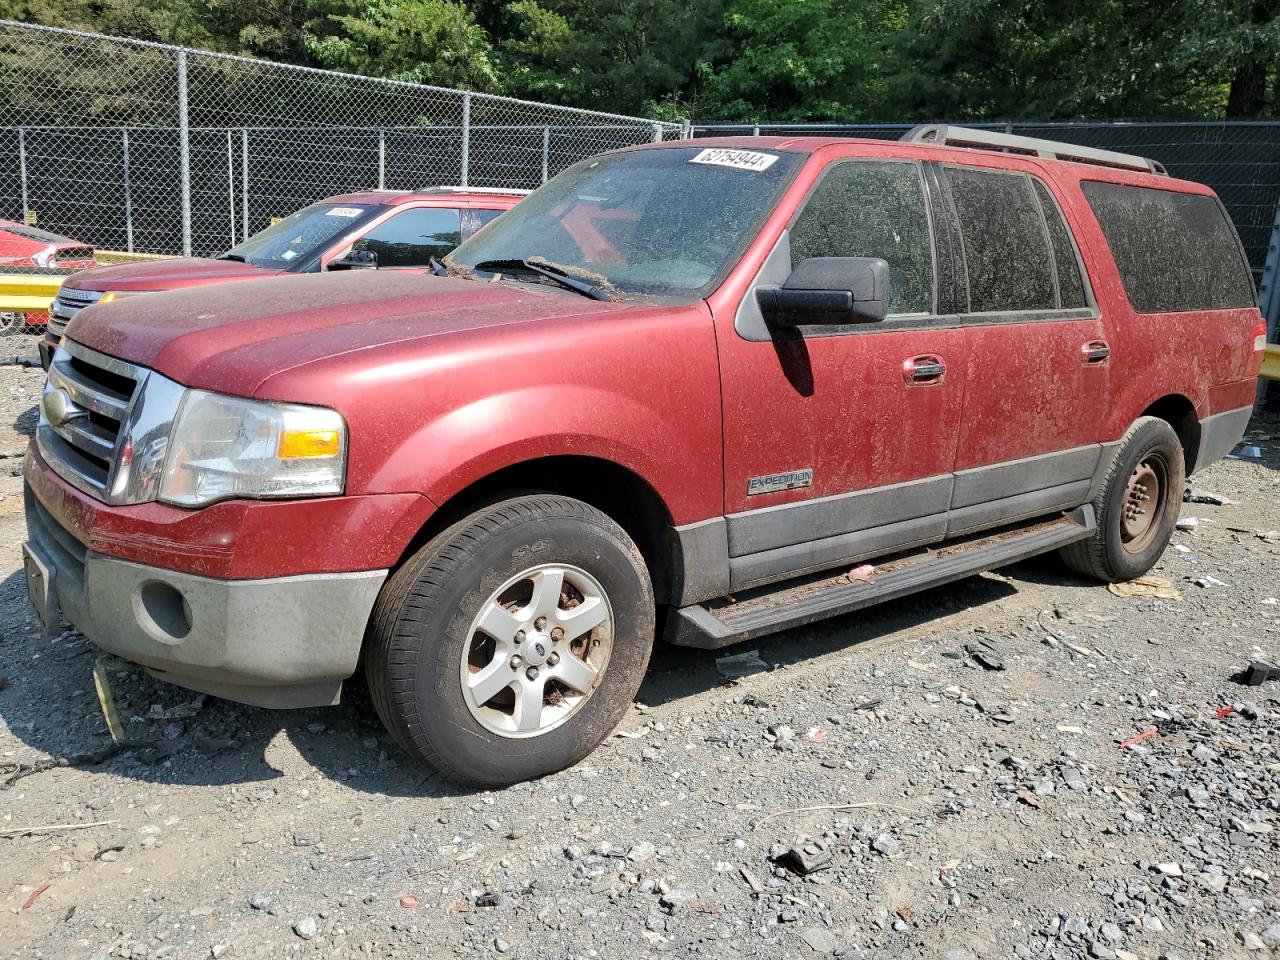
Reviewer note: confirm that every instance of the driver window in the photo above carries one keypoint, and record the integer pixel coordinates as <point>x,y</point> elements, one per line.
<point>872,209</point>
<point>412,238</point>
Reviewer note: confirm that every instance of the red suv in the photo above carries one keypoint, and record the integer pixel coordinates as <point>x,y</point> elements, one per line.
<point>399,228</point>
<point>681,389</point>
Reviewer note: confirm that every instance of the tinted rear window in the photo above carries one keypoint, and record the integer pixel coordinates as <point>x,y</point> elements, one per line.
<point>1065,263</point>
<point>1175,251</point>
<point>1006,246</point>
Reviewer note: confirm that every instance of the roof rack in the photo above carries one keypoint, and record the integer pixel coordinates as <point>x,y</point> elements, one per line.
<point>452,188</point>
<point>947,135</point>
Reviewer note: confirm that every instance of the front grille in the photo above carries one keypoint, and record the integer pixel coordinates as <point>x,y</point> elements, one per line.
<point>85,404</point>
<point>66,305</point>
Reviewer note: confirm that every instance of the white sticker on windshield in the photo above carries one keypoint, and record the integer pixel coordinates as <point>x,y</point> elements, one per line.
<point>738,159</point>
<point>347,212</point>
<point>288,254</point>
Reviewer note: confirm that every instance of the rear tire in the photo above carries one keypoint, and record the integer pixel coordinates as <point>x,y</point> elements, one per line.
<point>1137,507</point>
<point>477,662</point>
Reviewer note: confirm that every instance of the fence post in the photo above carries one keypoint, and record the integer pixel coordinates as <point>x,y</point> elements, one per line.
<point>466,136</point>
<point>22,170</point>
<point>244,183</point>
<point>657,133</point>
<point>685,130</point>
<point>382,158</point>
<point>755,130</point>
<point>231,188</point>
<point>546,152</point>
<point>184,152</point>
<point>128,194</point>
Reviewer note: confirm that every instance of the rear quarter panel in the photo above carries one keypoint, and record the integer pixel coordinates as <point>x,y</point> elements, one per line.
<point>1205,356</point>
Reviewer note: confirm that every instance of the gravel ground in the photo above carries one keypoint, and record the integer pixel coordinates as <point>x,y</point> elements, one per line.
<point>871,792</point>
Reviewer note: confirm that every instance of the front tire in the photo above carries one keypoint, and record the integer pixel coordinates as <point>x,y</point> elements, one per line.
<point>513,643</point>
<point>1137,507</point>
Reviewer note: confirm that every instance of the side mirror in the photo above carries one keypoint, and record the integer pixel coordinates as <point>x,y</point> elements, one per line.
<point>829,290</point>
<point>355,260</point>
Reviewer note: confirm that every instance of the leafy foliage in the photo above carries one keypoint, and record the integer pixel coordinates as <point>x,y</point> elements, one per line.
<point>839,60</point>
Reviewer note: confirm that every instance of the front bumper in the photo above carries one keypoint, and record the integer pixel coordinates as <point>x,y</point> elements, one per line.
<point>275,642</point>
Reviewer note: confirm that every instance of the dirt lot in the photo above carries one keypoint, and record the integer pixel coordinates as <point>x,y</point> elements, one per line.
<point>954,811</point>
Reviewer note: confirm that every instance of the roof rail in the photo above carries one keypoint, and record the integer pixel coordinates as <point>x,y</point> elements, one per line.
<point>948,135</point>
<point>451,188</point>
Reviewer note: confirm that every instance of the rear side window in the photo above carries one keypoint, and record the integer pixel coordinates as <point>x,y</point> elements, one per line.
<point>1175,251</point>
<point>872,209</point>
<point>1006,243</point>
<point>1066,265</point>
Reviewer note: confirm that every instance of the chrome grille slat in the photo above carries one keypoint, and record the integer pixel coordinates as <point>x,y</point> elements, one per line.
<point>66,305</point>
<point>87,436</point>
<point>83,413</point>
<point>91,396</point>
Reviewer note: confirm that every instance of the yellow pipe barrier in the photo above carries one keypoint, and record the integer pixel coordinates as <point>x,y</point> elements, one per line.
<point>122,256</point>
<point>23,293</point>
<point>33,292</point>
<point>1271,363</point>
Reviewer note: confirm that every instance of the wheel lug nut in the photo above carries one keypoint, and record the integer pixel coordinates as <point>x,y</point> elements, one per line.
<point>519,637</point>
<point>532,673</point>
<point>540,623</point>
<point>516,661</point>
<point>553,659</point>
<point>557,634</point>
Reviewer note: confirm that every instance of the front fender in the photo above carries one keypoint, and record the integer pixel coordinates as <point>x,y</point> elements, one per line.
<point>467,444</point>
<point>637,386</point>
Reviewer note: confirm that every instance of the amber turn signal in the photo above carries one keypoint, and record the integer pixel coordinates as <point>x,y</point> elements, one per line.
<point>298,444</point>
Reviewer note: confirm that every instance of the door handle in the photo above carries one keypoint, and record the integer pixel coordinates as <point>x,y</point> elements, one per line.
<point>923,370</point>
<point>1095,353</point>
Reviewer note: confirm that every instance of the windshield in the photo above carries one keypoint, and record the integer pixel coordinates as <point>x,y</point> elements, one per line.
<point>663,221</point>
<point>299,237</point>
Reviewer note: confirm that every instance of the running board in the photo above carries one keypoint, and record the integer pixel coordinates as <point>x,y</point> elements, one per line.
<point>722,623</point>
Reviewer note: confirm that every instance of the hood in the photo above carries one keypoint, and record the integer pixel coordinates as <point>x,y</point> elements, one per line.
<point>230,337</point>
<point>167,274</point>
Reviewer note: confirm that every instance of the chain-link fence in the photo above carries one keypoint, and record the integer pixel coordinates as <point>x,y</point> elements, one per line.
<point>1240,160</point>
<point>142,147</point>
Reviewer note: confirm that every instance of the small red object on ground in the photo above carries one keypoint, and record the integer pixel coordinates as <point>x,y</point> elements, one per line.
<point>36,895</point>
<point>1142,736</point>
<point>409,901</point>
<point>1224,711</point>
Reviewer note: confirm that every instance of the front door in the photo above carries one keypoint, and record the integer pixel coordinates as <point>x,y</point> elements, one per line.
<point>840,440</point>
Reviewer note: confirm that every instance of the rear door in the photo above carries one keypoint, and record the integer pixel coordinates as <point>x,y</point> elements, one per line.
<point>1036,380</point>
<point>840,440</point>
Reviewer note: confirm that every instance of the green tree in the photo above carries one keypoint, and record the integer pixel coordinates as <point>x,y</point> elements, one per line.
<point>423,41</point>
<point>618,55</point>
<point>803,60</point>
<point>995,59</point>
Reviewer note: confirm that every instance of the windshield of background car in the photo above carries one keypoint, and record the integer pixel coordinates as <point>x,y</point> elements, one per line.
<point>669,222</point>
<point>299,237</point>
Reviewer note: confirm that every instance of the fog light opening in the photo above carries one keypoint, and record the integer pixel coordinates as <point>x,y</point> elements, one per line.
<point>164,611</point>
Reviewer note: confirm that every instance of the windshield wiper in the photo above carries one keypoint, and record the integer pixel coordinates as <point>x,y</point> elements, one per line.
<point>233,256</point>
<point>547,271</point>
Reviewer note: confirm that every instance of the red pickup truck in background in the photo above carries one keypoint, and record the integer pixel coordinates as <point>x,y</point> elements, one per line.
<point>401,228</point>
<point>679,390</point>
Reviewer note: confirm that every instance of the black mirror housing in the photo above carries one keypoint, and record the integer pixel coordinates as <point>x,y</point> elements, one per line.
<point>831,290</point>
<point>355,260</point>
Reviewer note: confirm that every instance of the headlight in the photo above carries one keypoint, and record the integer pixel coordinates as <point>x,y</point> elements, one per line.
<point>229,447</point>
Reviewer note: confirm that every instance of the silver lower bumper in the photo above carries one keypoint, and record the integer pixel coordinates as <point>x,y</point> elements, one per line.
<point>280,642</point>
